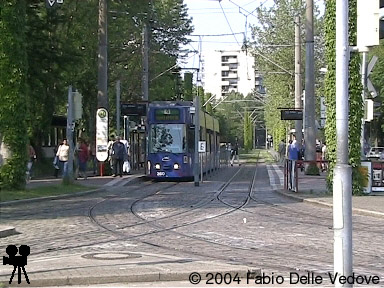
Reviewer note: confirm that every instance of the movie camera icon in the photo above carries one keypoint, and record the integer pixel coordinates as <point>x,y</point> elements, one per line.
<point>17,261</point>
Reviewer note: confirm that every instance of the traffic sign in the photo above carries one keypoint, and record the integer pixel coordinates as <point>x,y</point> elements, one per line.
<point>202,146</point>
<point>370,86</point>
<point>53,2</point>
<point>102,134</point>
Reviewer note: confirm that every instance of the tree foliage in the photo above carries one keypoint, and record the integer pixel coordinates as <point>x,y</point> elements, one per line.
<point>13,93</point>
<point>274,39</point>
<point>46,49</point>
<point>355,100</point>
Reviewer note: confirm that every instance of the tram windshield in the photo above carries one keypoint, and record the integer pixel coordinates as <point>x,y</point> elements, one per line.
<point>167,138</point>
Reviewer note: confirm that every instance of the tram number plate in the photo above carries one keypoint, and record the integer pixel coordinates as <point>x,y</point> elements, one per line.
<point>160,173</point>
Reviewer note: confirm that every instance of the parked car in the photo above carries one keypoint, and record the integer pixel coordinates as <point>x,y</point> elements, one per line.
<point>376,152</point>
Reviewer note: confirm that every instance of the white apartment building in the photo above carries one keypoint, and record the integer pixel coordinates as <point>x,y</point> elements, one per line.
<point>226,71</point>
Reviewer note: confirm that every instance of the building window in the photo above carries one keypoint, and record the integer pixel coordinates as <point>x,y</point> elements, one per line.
<point>224,73</point>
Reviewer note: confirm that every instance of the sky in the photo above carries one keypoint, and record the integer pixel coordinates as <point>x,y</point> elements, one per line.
<point>213,17</point>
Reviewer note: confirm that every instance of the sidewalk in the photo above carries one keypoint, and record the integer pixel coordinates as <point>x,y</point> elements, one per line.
<point>120,267</point>
<point>313,189</point>
<point>96,183</point>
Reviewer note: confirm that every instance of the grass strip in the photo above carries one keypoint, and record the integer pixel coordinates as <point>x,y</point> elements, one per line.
<point>264,154</point>
<point>43,191</point>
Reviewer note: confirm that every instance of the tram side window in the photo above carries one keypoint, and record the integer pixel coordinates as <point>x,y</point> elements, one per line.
<point>191,140</point>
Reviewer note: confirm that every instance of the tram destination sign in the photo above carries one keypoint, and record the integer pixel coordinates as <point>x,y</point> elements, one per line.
<point>291,114</point>
<point>165,114</point>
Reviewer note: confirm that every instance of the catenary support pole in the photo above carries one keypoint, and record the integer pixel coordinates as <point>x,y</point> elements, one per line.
<point>364,83</point>
<point>197,137</point>
<point>145,48</point>
<point>118,107</point>
<point>342,179</point>
<point>310,123</point>
<point>102,76</point>
<point>298,105</point>
<point>70,127</point>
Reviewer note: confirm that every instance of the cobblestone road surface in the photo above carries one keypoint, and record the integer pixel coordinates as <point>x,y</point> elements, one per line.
<point>260,228</point>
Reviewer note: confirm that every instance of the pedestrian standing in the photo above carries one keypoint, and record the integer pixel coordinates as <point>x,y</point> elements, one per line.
<point>118,156</point>
<point>126,164</point>
<point>293,152</point>
<point>109,149</point>
<point>235,153</point>
<point>56,162</point>
<point>92,156</point>
<point>63,155</point>
<point>324,165</point>
<point>31,159</point>
<point>83,154</point>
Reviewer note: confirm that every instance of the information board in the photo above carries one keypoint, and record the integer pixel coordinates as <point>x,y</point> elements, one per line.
<point>133,109</point>
<point>291,114</point>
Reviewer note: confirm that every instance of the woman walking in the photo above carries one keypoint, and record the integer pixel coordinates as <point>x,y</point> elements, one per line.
<point>63,154</point>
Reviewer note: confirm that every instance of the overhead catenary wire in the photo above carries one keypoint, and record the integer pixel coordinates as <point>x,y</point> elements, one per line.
<point>228,23</point>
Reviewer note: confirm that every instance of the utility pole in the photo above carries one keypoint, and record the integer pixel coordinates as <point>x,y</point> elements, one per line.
<point>145,48</point>
<point>102,77</point>
<point>310,123</point>
<point>118,107</point>
<point>68,178</point>
<point>364,83</point>
<point>298,123</point>
<point>342,179</point>
<point>197,138</point>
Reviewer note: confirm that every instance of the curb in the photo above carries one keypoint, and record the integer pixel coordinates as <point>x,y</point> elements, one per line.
<point>329,205</point>
<point>136,278</point>
<point>65,196</point>
<point>6,231</point>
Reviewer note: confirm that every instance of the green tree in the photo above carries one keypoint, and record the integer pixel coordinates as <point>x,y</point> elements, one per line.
<point>355,100</point>
<point>13,94</point>
<point>274,39</point>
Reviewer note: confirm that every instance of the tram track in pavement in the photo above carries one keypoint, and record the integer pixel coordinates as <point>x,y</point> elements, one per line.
<point>219,196</point>
<point>219,246</point>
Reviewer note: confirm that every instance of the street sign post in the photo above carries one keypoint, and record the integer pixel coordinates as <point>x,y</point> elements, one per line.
<point>202,148</point>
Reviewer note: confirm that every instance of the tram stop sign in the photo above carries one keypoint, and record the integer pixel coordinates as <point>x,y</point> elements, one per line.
<point>102,134</point>
<point>202,146</point>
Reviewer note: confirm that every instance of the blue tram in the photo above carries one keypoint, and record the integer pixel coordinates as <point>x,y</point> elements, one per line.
<point>171,142</point>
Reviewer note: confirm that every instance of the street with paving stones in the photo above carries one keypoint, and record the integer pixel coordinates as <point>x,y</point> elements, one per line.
<point>233,217</point>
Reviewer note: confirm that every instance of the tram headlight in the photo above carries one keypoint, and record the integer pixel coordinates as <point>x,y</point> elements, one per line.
<point>157,166</point>
<point>176,166</point>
